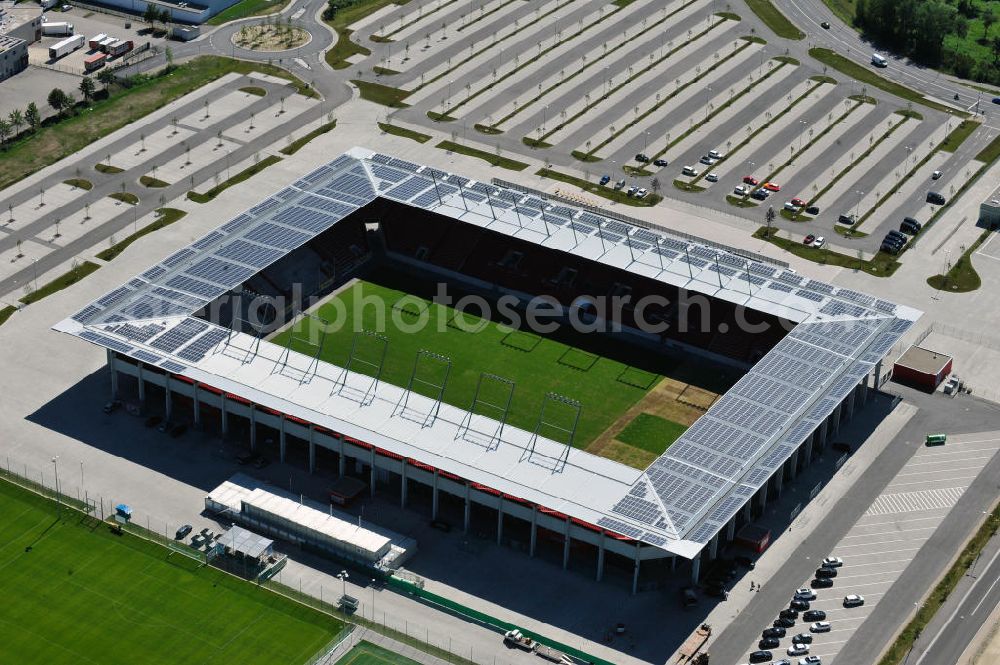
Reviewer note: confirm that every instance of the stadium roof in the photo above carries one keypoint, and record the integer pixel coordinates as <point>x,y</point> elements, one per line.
<point>685,496</point>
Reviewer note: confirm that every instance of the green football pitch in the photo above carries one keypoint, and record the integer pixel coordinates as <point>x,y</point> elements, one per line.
<point>75,593</point>
<point>366,653</point>
<point>537,365</point>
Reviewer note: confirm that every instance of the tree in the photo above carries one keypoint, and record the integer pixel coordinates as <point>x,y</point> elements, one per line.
<point>57,100</point>
<point>769,217</point>
<point>32,116</point>
<point>87,88</point>
<point>655,185</point>
<point>151,15</point>
<point>106,77</point>
<point>988,18</point>
<point>16,121</point>
<point>4,131</point>
<point>165,18</point>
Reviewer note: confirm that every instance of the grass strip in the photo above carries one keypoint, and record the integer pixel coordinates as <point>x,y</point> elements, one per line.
<point>57,139</point>
<point>246,8</point>
<point>597,60</point>
<point>958,135</point>
<point>125,197</point>
<point>774,19</point>
<point>235,180</point>
<point>254,90</point>
<point>150,181</point>
<point>166,217</point>
<point>75,274</point>
<point>740,201</point>
<point>900,649</point>
<point>881,265</point>
<point>420,16</point>
<point>655,107</point>
<point>386,95</point>
<point>107,168</point>
<point>492,159</point>
<point>299,143</point>
<point>404,132</point>
<point>79,183</point>
<point>615,195</point>
<point>338,56</point>
<point>865,75</point>
<point>688,186</point>
<point>483,15</point>
<point>6,312</point>
<point>645,69</point>
<point>990,152</point>
<point>961,277</point>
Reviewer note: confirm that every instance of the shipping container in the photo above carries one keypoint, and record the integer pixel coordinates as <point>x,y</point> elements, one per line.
<point>95,41</point>
<point>57,29</point>
<point>68,45</point>
<point>95,61</point>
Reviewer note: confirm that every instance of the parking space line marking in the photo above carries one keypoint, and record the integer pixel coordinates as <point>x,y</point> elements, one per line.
<point>911,464</point>
<point>894,531</point>
<point>891,540</point>
<point>921,473</point>
<point>905,549</point>
<point>880,572</point>
<point>936,480</point>
<point>902,521</point>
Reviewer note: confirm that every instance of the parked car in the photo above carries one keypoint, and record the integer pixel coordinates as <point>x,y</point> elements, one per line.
<point>620,183</point>
<point>740,190</point>
<point>773,632</point>
<point>632,190</point>
<point>825,25</point>
<point>819,242</point>
<point>111,406</point>
<point>641,193</point>
<point>996,100</point>
<point>750,180</point>
<point>797,649</point>
<point>761,656</point>
<point>936,175</point>
<point>821,583</point>
<point>854,600</point>
<point>183,531</point>
<point>760,194</point>
<point>826,572</point>
<point>935,198</point>
<point>783,622</point>
<point>768,643</point>
<point>689,171</point>
<point>712,177</point>
<point>910,225</point>
<point>820,627</point>
<point>715,154</point>
<point>642,158</point>
<point>812,210</point>
<point>659,162</point>
<point>808,240</point>
<point>800,605</point>
<point>791,207</point>
<point>605,179</point>
<point>810,660</point>
<point>772,186</point>
<point>789,614</point>
<point>833,562</point>
<point>845,219</point>
<point>803,638</point>
<point>708,161</point>
<point>798,202</point>
<point>805,594</point>
<point>814,615</point>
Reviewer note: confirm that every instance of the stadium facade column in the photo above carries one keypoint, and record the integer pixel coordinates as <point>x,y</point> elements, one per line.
<point>403,483</point>
<point>312,449</point>
<point>500,521</point>
<point>730,530</point>
<point>371,465</point>
<point>878,375</point>
<point>225,414</point>
<point>114,374</point>
<point>793,464</point>
<point>196,396</point>
<point>534,531</point>
<point>434,496</point>
<point>807,450</point>
<point>168,400</point>
<point>747,514</point>
<point>778,476</point>
<point>824,429</point>
<point>762,493</point>
<point>342,462</point>
<point>566,540</point>
<point>635,570</point>
<point>600,557</point>
<point>863,391</point>
<point>696,567</point>
<point>253,426</point>
<point>282,441</point>
<point>142,383</point>
<point>468,506</point>
<point>835,419</point>
<point>713,547</point>
<point>850,403</point>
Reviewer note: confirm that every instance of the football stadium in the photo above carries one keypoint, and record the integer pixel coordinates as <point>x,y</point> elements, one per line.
<point>553,374</point>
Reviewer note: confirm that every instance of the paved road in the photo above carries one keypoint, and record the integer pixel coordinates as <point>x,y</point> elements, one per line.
<point>937,414</point>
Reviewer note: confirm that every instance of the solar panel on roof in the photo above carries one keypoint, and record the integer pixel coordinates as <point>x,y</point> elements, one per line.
<point>646,236</point>
<point>180,334</point>
<point>138,333</point>
<point>776,286</point>
<point>277,236</point>
<point>86,313</point>
<point>153,273</point>
<point>196,286</point>
<point>205,241</point>
<point>171,366</point>
<point>249,253</point>
<point>112,298</point>
<point>306,219</point>
<point>236,223</point>
<point>619,527</point>
<point>178,257</point>
<point>264,206</point>
<point>197,349</point>
<point>809,295</point>
<point>147,306</point>
<point>106,341</point>
<point>146,357</point>
<point>177,296</point>
<point>220,271</point>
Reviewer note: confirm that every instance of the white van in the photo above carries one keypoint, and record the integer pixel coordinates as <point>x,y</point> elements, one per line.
<point>879,61</point>
<point>689,170</point>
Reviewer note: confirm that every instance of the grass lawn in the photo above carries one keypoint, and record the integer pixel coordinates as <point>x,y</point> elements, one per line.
<point>167,216</point>
<point>492,158</point>
<point>245,174</point>
<point>404,132</point>
<point>616,195</point>
<point>150,181</point>
<point>254,90</point>
<point>60,139</point>
<point>75,593</point>
<point>385,95</point>
<point>79,183</point>
<point>107,168</point>
<point>990,152</point>
<point>246,8</point>
<point>536,364</point>
<point>58,284</point>
<point>962,277</point>
<point>958,135</point>
<point>366,653</point>
<point>6,313</point>
<point>883,265</point>
<point>774,19</point>
<point>651,433</point>
<point>298,144</point>
<point>125,197</point>
<point>337,57</point>
<point>866,75</point>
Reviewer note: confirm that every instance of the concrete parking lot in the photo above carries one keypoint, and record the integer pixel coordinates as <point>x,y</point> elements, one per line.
<point>883,542</point>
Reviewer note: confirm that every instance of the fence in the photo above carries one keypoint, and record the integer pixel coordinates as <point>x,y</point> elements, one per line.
<point>753,256</point>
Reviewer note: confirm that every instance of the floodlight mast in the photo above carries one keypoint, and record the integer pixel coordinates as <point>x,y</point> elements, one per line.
<point>415,380</point>
<point>552,400</point>
<point>323,325</point>
<point>465,427</point>
<point>340,384</point>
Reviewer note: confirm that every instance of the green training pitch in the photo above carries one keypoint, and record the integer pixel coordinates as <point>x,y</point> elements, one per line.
<point>537,365</point>
<point>366,653</point>
<point>73,592</point>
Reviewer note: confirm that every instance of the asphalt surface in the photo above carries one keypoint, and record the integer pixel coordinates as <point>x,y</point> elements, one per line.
<point>936,414</point>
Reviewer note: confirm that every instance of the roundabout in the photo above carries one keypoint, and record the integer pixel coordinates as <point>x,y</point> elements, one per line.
<point>270,38</point>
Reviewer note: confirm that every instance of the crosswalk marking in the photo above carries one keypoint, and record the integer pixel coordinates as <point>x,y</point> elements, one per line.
<point>910,502</point>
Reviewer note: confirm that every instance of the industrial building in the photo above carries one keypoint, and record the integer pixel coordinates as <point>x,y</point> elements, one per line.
<point>19,27</point>
<point>922,368</point>
<point>192,13</point>
<point>989,210</point>
<point>527,488</point>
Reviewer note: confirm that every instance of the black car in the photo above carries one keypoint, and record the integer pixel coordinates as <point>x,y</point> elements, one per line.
<point>761,656</point>
<point>814,615</point>
<point>759,194</point>
<point>773,632</point>
<point>812,210</point>
<point>783,622</point>
<point>183,531</point>
<point>642,158</point>
<point>845,219</point>
<point>821,583</point>
<point>660,162</point>
<point>799,604</point>
<point>826,572</point>
<point>803,638</point>
<point>935,198</point>
<point>825,25</point>
<point>768,643</point>
<point>789,614</point>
